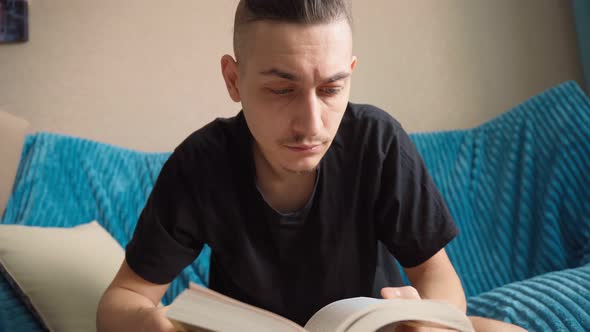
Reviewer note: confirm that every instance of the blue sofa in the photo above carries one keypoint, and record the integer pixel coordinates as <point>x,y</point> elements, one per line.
<point>518,187</point>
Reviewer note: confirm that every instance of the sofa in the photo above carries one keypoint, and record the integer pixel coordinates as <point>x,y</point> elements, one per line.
<point>518,187</point>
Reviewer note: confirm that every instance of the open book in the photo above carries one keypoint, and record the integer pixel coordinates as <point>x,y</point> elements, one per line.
<point>201,309</point>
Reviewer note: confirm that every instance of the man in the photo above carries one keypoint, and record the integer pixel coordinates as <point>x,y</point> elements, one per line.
<point>294,194</point>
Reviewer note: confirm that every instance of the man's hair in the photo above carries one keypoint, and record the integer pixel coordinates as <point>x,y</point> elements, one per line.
<point>289,11</point>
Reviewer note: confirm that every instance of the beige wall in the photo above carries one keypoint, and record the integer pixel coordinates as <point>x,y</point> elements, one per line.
<point>145,73</point>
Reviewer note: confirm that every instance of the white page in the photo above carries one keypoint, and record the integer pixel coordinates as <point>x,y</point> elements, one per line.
<point>426,313</point>
<point>337,316</point>
<point>364,314</point>
<point>216,312</point>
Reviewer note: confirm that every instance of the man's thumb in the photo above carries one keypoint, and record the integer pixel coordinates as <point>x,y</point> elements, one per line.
<point>407,292</point>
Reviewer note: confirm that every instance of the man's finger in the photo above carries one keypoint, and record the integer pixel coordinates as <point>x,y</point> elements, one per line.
<point>407,292</point>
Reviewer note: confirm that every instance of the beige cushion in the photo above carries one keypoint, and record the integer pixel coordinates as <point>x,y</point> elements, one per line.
<point>63,271</point>
<point>12,137</point>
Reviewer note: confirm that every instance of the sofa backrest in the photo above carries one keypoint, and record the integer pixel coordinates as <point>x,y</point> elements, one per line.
<point>519,189</point>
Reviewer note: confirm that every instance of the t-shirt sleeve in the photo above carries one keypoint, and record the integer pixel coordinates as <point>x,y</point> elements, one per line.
<point>413,220</point>
<point>167,237</point>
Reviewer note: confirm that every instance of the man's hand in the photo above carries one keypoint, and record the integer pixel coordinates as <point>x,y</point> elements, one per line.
<point>406,293</point>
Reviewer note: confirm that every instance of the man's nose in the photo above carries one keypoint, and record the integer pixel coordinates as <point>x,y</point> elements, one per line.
<point>308,116</point>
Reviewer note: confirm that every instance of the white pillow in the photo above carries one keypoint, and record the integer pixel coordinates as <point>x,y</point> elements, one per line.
<point>63,271</point>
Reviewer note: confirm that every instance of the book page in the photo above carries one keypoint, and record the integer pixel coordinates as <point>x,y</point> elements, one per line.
<point>363,314</point>
<point>201,307</point>
<point>416,313</point>
<point>337,316</point>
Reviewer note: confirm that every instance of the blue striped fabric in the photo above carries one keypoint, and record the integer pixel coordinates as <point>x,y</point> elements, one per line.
<point>581,10</point>
<point>555,301</point>
<point>519,190</point>
<point>65,181</point>
<point>517,186</point>
<point>14,314</point>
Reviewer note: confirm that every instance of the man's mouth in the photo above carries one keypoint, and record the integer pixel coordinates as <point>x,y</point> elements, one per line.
<point>304,147</point>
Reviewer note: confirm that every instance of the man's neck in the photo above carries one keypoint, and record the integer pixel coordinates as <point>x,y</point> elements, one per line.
<point>283,190</point>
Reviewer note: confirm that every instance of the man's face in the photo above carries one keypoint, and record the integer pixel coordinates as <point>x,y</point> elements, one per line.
<point>294,84</point>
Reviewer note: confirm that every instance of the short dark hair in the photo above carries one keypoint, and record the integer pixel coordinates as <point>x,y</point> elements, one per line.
<point>289,11</point>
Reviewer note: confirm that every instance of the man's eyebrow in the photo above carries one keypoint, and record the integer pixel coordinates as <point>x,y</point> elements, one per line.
<point>293,77</point>
<point>279,73</point>
<point>337,77</point>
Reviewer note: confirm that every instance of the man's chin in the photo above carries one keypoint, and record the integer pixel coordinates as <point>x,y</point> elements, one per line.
<point>302,168</point>
<point>302,171</point>
<point>301,164</point>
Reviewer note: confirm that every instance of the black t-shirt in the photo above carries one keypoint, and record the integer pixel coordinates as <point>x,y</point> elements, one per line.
<point>371,186</point>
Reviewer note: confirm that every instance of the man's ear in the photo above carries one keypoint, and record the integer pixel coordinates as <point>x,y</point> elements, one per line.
<point>229,70</point>
<point>353,63</point>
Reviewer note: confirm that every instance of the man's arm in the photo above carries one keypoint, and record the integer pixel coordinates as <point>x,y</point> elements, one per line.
<point>436,279</point>
<point>130,303</point>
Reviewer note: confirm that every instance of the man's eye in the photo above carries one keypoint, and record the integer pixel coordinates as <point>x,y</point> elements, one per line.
<point>281,91</point>
<point>330,91</point>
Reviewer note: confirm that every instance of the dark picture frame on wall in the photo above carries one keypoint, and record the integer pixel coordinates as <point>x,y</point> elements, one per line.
<point>14,21</point>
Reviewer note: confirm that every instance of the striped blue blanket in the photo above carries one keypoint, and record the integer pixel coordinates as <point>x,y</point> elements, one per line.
<point>518,187</point>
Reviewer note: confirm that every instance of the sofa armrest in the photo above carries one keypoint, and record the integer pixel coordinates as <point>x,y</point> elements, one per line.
<point>554,301</point>
<point>12,136</point>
